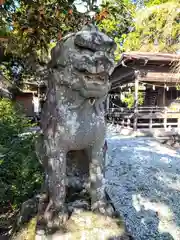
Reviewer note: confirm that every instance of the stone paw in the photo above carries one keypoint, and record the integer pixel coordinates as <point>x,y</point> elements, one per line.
<point>105,208</point>
<point>56,219</point>
<point>78,205</point>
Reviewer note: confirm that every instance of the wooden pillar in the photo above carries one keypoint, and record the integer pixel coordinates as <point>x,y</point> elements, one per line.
<point>150,122</point>
<point>164,97</point>
<point>136,100</point>
<point>178,124</point>
<point>165,117</point>
<point>122,122</point>
<point>128,122</point>
<point>107,103</point>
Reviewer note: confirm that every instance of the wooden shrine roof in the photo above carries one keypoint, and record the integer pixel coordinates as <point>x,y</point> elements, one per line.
<point>153,67</point>
<point>150,56</point>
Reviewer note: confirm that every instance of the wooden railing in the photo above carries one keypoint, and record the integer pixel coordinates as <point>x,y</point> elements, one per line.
<point>145,117</point>
<point>144,109</point>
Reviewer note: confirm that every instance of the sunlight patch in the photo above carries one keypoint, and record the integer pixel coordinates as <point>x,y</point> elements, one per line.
<point>164,214</point>
<point>171,180</point>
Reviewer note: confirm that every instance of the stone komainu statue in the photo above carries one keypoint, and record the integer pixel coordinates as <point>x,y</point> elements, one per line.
<point>72,120</point>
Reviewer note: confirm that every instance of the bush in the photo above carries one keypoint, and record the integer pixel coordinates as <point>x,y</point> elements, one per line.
<point>129,99</point>
<point>20,171</point>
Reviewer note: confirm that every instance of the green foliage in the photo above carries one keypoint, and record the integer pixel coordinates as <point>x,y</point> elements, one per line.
<point>32,28</point>
<point>149,3</point>
<point>20,172</point>
<point>116,24</point>
<point>36,24</point>
<point>178,87</point>
<point>129,99</point>
<point>156,29</point>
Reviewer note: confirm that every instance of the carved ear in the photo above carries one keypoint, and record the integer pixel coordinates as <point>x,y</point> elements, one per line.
<point>58,55</point>
<point>89,27</point>
<point>55,53</point>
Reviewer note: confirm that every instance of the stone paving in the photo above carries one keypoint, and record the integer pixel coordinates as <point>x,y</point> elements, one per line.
<point>144,183</point>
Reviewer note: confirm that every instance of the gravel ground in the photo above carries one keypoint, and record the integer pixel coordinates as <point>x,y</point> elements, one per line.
<point>144,183</point>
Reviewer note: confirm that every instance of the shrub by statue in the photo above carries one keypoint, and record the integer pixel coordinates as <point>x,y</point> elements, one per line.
<point>20,172</point>
<point>129,99</point>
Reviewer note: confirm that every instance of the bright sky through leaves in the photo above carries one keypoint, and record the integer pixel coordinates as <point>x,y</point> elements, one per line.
<point>81,6</point>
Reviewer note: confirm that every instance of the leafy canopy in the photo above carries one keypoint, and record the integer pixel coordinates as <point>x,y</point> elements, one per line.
<point>156,29</point>
<point>29,29</point>
<point>117,21</point>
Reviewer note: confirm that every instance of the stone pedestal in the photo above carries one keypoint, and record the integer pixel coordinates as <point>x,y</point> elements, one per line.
<point>89,226</point>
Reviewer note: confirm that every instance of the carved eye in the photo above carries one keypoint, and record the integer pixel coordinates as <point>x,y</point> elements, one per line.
<point>85,71</point>
<point>101,78</point>
<point>82,70</point>
<point>88,77</point>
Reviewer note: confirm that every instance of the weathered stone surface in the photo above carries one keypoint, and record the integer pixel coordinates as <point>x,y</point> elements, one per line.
<point>82,225</point>
<point>73,124</point>
<point>28,209</point>
<point>87,225</point>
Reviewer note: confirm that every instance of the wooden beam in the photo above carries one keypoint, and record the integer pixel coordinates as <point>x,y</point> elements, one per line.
<point>136,99</point>
<point>161,84</point>
<point>152,68</point>
<point>153,77</point>
<point>122,77</point>
<point>160,77</point>
<point>151,56</point>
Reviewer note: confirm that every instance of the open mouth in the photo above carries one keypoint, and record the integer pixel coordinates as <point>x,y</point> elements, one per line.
<point>96,79</point>
<point>93,81</point>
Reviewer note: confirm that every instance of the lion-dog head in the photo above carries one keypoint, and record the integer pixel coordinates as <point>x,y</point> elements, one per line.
<point>84,61</point>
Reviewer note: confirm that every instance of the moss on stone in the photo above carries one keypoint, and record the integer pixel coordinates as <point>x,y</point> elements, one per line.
<point>27,232</point>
